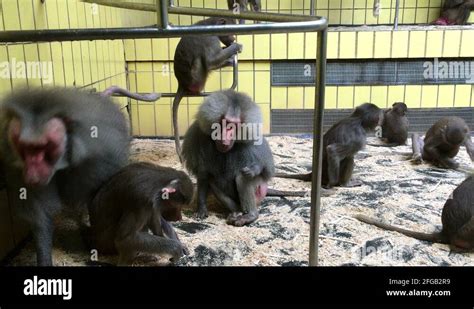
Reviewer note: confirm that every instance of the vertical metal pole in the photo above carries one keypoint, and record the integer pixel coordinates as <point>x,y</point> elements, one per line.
<point>235,77</point>
<point>311,8</point>
<point>129,100</point>
<point>317,147</point>
<point>397,14</point>
<point>162,13</point>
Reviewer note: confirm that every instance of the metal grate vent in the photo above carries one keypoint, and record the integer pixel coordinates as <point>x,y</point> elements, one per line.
<point>300,121</point>
<point>376,72</point>
<point>293,73</point>
<point>353,73</point>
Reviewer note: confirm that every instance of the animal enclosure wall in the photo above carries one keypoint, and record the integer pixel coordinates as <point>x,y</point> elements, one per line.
<point>151,64</point>
<point>356,38</point>
<point>89,64</point>
<point>96,64</point>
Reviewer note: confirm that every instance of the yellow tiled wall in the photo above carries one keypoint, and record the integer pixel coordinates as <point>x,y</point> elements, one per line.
<point>99,64</point>
<point>90,64</point>
<point>151,68</point>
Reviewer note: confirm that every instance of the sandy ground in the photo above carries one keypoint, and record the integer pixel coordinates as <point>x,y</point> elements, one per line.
<point>393,189</point>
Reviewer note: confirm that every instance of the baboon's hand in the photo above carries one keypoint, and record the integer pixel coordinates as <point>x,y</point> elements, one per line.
<point>177,251</point>
<point>237,47</point>
<point>202,214</point>
<point>417,159</point>
<point>248,172</point>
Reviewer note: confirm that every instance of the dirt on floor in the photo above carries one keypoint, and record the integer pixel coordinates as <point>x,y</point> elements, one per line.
<point>393,190</point>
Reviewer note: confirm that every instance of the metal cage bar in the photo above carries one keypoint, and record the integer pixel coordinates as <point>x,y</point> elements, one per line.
<point>29,36</point>
<point>309,24</point>
<point>317,148</point>
<point>397,14</point>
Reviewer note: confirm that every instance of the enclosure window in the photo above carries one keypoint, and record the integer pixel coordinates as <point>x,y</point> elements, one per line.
<point>377,72</point>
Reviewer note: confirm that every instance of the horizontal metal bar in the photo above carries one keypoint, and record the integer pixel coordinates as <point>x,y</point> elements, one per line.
<point>165,95</point>
<point>125,5</point>
<point>259,16</point>
<point>235,81</point>
<point>24,36</point>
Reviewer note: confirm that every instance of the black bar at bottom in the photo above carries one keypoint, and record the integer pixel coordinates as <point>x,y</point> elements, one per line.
<point>237,285</point>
